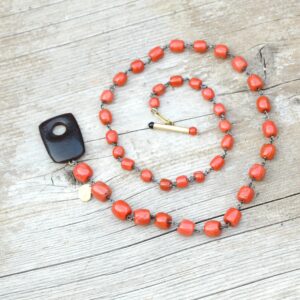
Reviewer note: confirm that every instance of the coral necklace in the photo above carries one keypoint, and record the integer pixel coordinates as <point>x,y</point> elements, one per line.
<point>121,209</point>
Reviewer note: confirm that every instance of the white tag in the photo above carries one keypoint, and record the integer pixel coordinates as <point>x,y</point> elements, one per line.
<point>85,192</point>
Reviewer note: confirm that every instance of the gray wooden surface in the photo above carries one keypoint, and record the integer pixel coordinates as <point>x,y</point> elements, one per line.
<point>56,57</point>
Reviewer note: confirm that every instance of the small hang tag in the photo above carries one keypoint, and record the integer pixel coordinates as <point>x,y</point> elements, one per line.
<point>85,192</point>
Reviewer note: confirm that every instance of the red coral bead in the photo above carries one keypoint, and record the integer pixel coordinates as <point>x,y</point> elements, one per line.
<point>82,172</point>
<point>111,136</point>
<point>239,64</point>
<point>200,46</point>
<point>163,220</point>
<point>127,164</point>
<point>142,216</point>
<point>269,129</point>
<point>221,51</point>
<point>219,109</point>
<point>182,181</point>
<point>193,131</point>
<point>257,172</point>
<point>146,175</point>
<point>186,227</point>
<point>245,194</point>
<point>101,191</point>
<point>165,184</point>
<point>232,216</point>
<point>227,142</point>
<point>208,94</point>
<point>268,151</point>
<point>156,53</point>
<point>121,209</point>
<point>154,102</point>
<point>199,176</point>
<point>120,79</point>
<point>137,66</point>
<point>176,81</point>
<point>159,89</point>
<point>177,46</point>
<point>195,83</point>
<point>263,104</point>
<point>105,116</point>
<point>255,83</point>
<point>107,96</point>
<point>224,125</point>
<point>212,228</point>
<point>217,163</point>
<point>118,152</point>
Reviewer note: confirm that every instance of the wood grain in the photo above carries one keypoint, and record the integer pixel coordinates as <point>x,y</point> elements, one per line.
<point>55,57</point>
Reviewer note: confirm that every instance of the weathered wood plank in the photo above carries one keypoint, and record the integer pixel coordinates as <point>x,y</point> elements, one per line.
<point>55,56</point>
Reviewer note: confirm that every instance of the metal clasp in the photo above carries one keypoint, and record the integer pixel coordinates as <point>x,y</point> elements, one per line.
<point>161,117</point>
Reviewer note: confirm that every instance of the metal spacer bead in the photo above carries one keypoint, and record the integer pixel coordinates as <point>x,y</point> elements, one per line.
<point>130,218</point>
<point>148,61</point>
<point>112,87</point>
<point>165,47</point>
<point>191,178</point>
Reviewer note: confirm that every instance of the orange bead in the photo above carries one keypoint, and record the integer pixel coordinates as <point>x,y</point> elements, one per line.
<point>101,191</point>
<point>127,164</point>
<point>219,109</point>
<point>193,131</point>
<point>121,209</point>
<point>165,184</point>
<point>159,89</point>
<point>111,136</point>
<point>255,83</point>
<point>182,181</point>
<point>268,151</point>
<point>195,83</point>
<point>224,125</point>
<point>154,102</point>
<point>176,81</point>
<point>137,66</point>
<point>142,216</point>
<point>208,94</point>
<point>269,129</point>
<point>156,53</point>
<point>186,227</point>
<point>227,142</point>
<point>107,96</point>
<point>120,79</point>
<point>221,51</point>
<point>163,220</point>
<point>245,194</point>
<point>146,175</point>
<point>200,46</point>
<point>239,64</point>
<point>212,228</point>
<point>177,46</point>
<point>257,172</point>
<point>82,172</point>
<point>232,216</point>
<point>105,116</point>
<point>217,163</point>
<point>199,176</point>
<point>263,104</point>
<point>118,152</point>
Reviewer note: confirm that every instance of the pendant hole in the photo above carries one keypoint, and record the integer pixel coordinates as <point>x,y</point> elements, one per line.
<point>59,130</point>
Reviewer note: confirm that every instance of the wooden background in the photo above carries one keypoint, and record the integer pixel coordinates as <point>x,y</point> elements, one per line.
<point>56,57</point>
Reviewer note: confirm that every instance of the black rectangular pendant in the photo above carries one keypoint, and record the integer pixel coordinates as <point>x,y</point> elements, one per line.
<point>66,146</point>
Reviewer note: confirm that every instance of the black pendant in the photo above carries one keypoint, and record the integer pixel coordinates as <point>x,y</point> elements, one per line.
<point>66,146</point>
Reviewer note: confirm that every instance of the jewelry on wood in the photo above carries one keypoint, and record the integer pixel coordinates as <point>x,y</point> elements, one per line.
<point>121,209</point>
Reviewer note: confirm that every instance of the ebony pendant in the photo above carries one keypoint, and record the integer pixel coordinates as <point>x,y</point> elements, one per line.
<point>65,146</point>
